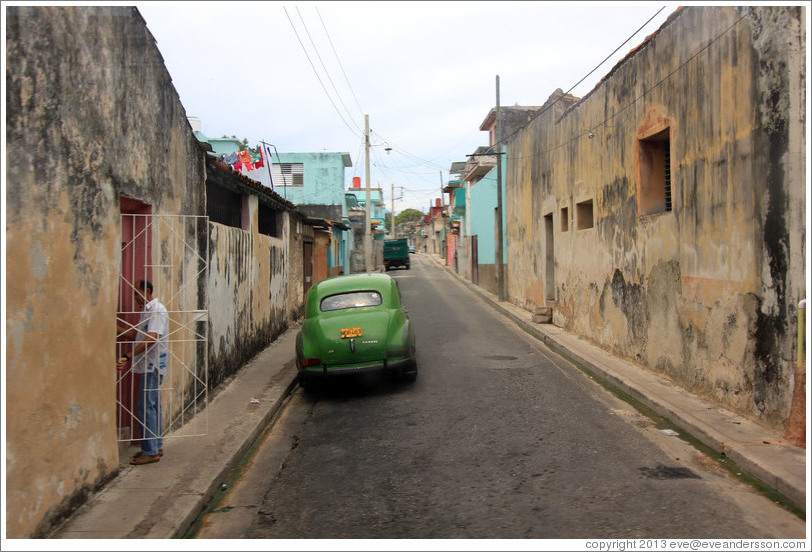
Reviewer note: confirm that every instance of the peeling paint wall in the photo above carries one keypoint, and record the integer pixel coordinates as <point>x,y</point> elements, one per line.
<point>91,115</point>
<point>706,293</point>
<point>248,290</point>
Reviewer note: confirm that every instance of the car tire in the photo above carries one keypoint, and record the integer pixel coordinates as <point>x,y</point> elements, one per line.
<point>410,376</point>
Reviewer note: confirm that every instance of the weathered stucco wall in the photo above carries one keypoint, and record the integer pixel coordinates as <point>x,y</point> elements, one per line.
<point>91,115</point>
<point>705,293</point>
<point>248,284</point>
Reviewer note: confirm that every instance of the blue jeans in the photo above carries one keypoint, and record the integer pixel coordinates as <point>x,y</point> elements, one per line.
<point>149,413</point>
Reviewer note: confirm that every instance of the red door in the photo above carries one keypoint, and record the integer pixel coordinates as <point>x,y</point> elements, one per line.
<point>136,254</point>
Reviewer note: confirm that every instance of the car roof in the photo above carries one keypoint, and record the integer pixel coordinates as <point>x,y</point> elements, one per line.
<point>377,281</point>
<point>340,284</point>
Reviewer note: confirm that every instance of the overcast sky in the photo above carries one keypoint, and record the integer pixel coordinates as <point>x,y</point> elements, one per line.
<point>302,75</point>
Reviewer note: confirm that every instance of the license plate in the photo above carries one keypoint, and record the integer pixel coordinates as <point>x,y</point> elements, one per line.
<point>350,332</point>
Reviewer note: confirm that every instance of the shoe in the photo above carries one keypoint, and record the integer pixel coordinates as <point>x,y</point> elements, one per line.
<point>139,454</point>
<point>145,459</point>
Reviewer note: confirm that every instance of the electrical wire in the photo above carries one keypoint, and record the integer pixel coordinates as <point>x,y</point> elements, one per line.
<point>547,108</point>
<point>405,153</point>
<point>647,91</point>
<point>318,77</point>
<point>423,162</point>
<point>326,72</point>
<point>361,111</point>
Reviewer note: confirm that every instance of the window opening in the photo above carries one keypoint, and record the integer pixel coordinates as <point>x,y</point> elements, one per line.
<point>654,186</point>
<point>267,223</point>
<point>565,219</point>
<point>584,215</point>
<point>223,206</point>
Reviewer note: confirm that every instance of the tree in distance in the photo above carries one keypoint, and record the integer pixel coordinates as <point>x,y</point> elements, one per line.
<point>408,215</point>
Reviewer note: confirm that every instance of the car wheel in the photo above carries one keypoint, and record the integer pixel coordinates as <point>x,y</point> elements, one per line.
<point>410,376</point>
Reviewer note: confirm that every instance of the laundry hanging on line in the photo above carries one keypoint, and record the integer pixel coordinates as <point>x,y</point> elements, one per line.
<point>249,159</point>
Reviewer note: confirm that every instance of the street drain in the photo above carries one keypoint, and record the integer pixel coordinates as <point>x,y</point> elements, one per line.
<point>500,357</point>
<point>667,472</point>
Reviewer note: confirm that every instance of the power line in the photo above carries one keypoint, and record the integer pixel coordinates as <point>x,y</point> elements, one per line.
<point>635,100</point>
<point>318,77</point>
<point>541,111</point>
<point>361,111</point>
<point>411,155</point>
<point>326,72</point>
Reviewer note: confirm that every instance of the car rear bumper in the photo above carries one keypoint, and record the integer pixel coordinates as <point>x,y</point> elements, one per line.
<point>398,367</point>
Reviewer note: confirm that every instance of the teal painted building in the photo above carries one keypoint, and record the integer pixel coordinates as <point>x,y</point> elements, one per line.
<point>481,216</point>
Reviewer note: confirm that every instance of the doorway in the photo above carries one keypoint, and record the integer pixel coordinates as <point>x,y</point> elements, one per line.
<point>171,252</point>
<point>549,259</point>
<point>136,252</point>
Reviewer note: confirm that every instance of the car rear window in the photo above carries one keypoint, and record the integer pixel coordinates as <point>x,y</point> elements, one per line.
<point>351,300</point>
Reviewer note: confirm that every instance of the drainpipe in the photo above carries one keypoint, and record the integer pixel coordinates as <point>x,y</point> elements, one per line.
<point>796,423</point>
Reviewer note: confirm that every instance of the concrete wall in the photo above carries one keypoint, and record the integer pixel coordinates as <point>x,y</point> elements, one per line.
<point>249,304</point>
<point>91,115</point>
<point>705,294</point>
<point>296,293</point>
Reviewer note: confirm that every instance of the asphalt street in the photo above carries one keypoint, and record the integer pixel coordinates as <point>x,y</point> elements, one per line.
<point>498,438</point>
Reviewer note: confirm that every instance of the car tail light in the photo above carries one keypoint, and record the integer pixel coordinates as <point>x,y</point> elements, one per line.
<point>311,361</point>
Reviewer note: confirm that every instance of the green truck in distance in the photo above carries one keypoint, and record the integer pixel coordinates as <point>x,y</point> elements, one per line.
<point>396,253</point>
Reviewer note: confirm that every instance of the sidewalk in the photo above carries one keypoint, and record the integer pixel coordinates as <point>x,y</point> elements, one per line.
<point>162,500</point>
<point>755,449</point>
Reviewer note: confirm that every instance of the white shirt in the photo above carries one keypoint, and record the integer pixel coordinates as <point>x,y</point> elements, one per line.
<point>154,319</point>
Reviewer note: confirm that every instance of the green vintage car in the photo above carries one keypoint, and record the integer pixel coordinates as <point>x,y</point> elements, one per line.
<point>354,324</point>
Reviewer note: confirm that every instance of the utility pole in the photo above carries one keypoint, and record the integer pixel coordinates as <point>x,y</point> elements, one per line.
<point>368,225</point>
<point>443,252</point>
<point>393,210</point>
<point>500,276</point>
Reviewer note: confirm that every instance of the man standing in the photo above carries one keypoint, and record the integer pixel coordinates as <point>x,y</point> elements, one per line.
<point>148,359</point>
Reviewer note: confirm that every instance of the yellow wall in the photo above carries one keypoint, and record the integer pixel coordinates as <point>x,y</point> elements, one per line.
<point>704,294</point>
<point>83,130</point>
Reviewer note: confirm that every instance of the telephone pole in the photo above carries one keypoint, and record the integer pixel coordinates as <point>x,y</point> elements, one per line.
<point>393,210</point>
<point>443,252</point>
<point>368,225</point>
<point>500,276</point>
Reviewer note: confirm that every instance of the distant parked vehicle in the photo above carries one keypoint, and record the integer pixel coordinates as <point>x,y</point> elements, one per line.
<point>411,249</point>
<point>396,253</point>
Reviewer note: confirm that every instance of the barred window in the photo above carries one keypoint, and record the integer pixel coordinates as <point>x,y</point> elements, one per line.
<point>654,162</point>
<point>288,174</point>
<point>223,206</point>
